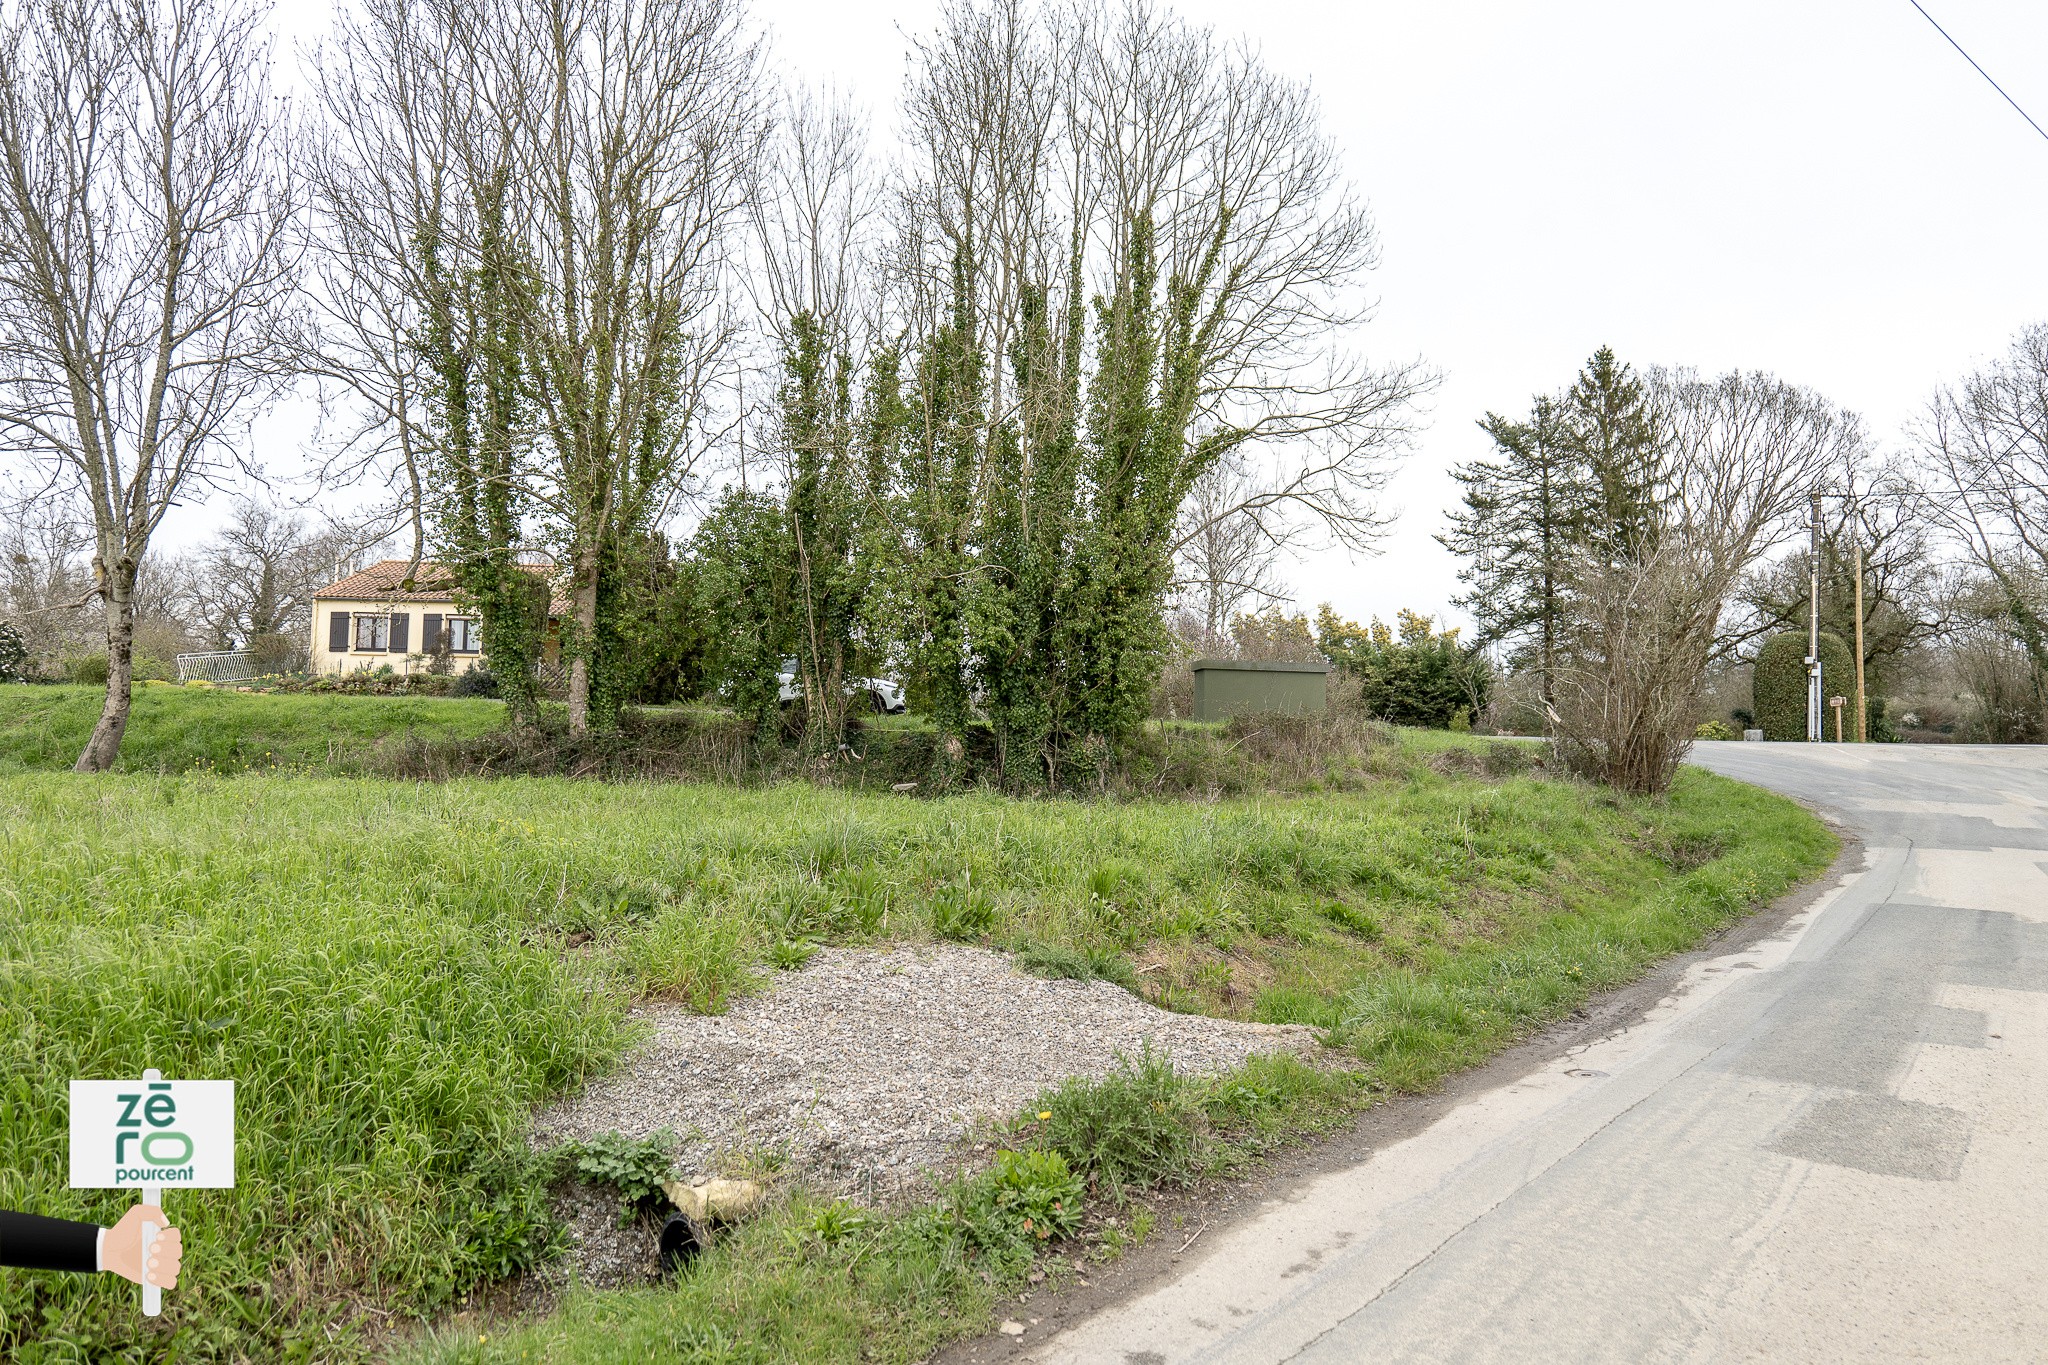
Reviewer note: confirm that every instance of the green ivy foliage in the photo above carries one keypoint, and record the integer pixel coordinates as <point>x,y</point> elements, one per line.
<point>1780,685</point>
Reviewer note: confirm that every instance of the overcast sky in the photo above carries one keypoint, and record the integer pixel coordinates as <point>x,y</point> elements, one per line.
<point>1820,188</point>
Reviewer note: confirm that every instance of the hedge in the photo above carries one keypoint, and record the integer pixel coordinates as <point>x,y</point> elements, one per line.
<point>1780,684</point>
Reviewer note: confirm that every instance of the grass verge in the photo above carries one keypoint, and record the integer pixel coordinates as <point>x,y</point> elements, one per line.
<point>396,973</point>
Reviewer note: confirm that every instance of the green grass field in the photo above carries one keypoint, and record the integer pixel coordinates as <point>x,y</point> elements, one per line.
<point>395,974</point>
<point>180,729</point>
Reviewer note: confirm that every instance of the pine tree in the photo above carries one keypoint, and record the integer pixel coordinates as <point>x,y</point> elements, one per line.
<point>1610,423</point>
<point>1582,475</point>
<point>1524,513</point>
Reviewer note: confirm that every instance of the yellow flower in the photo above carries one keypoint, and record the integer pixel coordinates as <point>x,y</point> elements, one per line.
<point>1044,1114</point>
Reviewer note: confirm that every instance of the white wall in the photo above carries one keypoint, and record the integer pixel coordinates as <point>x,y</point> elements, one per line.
<point>413,660</point>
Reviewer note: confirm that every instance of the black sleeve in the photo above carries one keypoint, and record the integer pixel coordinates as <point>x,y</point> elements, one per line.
<point>30,1241</point>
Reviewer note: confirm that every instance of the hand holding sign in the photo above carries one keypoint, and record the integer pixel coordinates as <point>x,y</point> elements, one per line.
<point>145,1135</point>
<point>122,1251</point>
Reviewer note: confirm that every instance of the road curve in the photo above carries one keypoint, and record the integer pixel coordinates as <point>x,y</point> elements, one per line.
<point>1831,1145</point>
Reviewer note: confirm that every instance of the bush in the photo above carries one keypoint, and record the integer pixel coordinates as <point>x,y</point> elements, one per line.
<point>1420,676</point>
<point>1780,683</point>
<point>89,670</point>
<point>1029,1197</point>
<point>278,654</point>
<point>1715,729</point>
<point>477,682</point>
<point>13,654</point>
<point>1140,1125</point>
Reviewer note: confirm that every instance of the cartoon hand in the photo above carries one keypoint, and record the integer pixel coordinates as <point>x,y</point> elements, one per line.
<point>122,1251</point>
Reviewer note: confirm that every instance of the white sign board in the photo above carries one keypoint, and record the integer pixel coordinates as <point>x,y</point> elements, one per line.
<point>172,1135</point>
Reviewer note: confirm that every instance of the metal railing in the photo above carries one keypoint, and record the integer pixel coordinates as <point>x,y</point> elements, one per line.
<point>219,665</point>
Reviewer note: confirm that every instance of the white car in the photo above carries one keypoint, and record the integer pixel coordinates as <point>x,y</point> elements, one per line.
<point>883,695</point>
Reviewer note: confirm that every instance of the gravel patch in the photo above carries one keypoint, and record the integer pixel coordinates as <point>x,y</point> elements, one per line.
<point>865,1070</point>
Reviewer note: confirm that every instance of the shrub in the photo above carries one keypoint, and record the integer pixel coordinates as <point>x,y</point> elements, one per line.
<point>89,670</point>
<point>1715,729</point>
<point>1419,676</point>
<point>1029,1197</point>
<point>278,654</point>
<point>1780,682</point>
<point>477,682</point>
<point>13,654</point>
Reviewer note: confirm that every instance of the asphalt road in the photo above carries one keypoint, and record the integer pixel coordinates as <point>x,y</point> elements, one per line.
<point>1829,1146</point>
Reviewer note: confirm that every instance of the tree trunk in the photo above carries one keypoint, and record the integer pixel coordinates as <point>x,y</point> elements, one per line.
<point>113,723</point>
<point>585,604</point>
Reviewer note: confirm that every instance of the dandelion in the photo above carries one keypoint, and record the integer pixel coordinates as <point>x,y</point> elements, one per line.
<point>1044,1114</point>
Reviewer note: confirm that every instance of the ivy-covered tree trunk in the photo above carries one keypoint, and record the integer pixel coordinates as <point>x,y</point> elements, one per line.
<point>822,508</point>
<point>1031,519</point>
<point>473,350</point>
<point>941,458</point>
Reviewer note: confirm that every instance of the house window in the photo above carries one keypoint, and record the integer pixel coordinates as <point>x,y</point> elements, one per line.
<point>373,633</point>
<point>463,636</point>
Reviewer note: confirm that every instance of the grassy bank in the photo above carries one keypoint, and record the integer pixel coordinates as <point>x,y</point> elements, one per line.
<point>395,973</point>
<point>178,729</point>
<point>186,729</point>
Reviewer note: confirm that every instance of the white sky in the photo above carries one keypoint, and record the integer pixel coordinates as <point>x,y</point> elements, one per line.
<point>1820,188</point>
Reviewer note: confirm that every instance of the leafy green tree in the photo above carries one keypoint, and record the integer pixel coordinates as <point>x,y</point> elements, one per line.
<point>925,452</point>
<point>823,505</point>
<point>13,653</point>
<point>1413,674</point>
<point>741,558</point>
<point>1610,424</point>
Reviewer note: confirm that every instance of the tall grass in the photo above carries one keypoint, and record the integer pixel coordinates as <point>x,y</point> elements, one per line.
<point>395,974</point>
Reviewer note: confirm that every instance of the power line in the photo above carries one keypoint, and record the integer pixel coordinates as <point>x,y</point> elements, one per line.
<point>1980,70</point>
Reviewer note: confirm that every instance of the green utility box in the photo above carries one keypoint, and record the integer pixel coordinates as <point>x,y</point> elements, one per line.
<point>1246,687</point>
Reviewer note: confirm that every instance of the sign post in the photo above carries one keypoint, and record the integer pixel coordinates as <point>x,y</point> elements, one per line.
<point>148,1135</point>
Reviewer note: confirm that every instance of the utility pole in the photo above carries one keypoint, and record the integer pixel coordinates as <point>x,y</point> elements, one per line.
<point>1862,704</point>
<point>1813,630</point>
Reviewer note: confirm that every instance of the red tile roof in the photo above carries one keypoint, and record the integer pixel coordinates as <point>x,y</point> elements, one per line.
<point>384,582</point>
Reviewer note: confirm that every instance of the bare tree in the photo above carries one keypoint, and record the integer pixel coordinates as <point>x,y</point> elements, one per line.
<point>145,271</point>
<point>251,584</point>
<point>1743,452</point>
<point>46,582</point>
<point>1875,509</point>
<point>1228,164</point>
<point>816,200</point>
<point>1984,458</point>
<point>1228,553</point>
<point>1044,136</point>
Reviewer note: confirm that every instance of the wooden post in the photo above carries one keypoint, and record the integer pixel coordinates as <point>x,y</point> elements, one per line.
<point>1862,703</point>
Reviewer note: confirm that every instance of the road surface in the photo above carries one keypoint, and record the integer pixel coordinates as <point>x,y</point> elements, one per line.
<point>1829,1146</point>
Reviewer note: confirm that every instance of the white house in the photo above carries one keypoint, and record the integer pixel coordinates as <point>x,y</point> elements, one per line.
<point>376,618</point>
